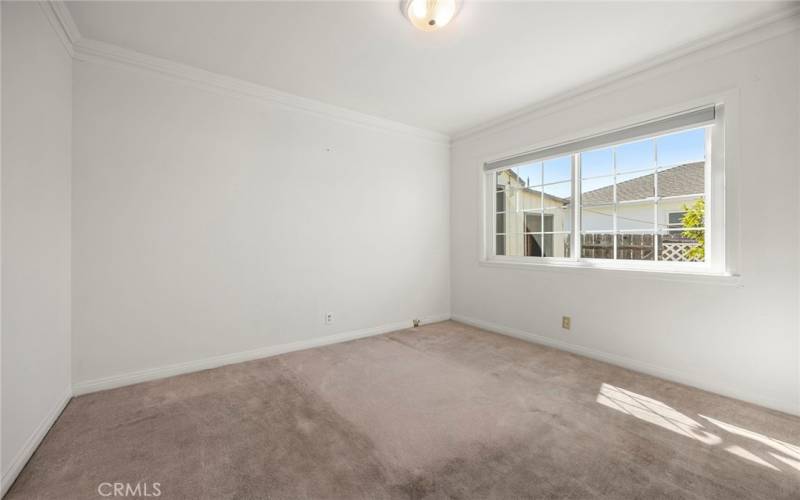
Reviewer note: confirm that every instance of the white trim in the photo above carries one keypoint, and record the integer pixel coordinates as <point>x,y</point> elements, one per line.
<point>33,441</point>
<point>101,52</point>
<point>65,19</point>
<point>85,49</point>
<point>239,357</point>
<point>751,33</point>
<point>2,478</point>
<point>62,23</point>
<point>779,23</point>
<point>684,272</point>
<point>682,377</point>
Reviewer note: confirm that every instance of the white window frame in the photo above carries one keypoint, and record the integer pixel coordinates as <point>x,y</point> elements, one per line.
<point>718,244</point>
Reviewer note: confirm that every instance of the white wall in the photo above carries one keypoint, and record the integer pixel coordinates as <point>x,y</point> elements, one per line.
<point>36,152</point>
<point>737,340</point>
<point>207,224</point>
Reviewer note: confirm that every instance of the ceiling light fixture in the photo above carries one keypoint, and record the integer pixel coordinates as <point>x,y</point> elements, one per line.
<point>429,15</point>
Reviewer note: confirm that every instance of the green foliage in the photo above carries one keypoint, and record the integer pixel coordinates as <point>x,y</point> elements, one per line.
<point>694,218</point>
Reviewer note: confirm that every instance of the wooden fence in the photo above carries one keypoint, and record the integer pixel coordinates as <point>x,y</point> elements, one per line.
<point>629,246</point>
<point>634,247</point>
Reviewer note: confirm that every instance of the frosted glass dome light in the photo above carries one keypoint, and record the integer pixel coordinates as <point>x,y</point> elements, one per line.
<point>430,15</point>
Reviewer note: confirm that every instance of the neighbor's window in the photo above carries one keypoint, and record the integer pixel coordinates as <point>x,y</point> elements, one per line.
<point>676,220</point>
<point>641,199</point>
<point>533,212</point>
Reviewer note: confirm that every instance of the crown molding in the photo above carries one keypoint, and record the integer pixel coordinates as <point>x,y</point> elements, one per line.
<point>779,23</point>
<point>80,48</point>
<point>95,51</point>
<point>62,23</point>
<point>85,49</point>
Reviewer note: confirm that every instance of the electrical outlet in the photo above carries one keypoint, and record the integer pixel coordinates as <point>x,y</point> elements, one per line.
<point>328,318</point>
<point>566,322</point>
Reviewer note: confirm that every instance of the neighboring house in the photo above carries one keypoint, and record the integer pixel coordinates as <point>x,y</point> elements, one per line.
<point>677,186</point>
<point>644,223</point>
<point>639,217</point>
<point>521,210</point>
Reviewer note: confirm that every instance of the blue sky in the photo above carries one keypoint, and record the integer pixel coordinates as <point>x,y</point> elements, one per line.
<point>674,149</point>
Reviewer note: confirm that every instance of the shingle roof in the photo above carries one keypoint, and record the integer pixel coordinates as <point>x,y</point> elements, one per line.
<point>677,181</point>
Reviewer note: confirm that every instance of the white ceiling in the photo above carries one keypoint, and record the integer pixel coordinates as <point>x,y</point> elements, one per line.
<point>493,59</point>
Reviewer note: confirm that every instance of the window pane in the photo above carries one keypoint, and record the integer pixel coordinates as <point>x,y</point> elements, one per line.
<point>500,223</point>
<point>530,174</point>
<point>598,191</point>
<point>533,222</point>
<point>533,245</point>
<point>684,147</point>
<point>597,219</point>
<point>636,186</point>
<point>558,169</point>
<point>509,178</point>
<point>560,219</point>
<point>514,222</point>
<point>503,178</point>
<point>530,199</point>
<point>636,216</point>
<point>501,201</point>
<point>675,219</point>
<point>596,163</point>
<point>515,244</point>
<point>557,194</point>
<point>556,245</point>
<point>512,198</point>
<point>597,246</point>
<point>682,246</point>
<point>636,156</point>
<point>684,180</point>
<point>500,245</point>
<point>677,214</point>
<point>547,220</point>
<point>641,200</point>
<point>635,246</point>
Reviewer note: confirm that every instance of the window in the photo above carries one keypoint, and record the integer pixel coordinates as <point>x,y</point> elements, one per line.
<point>675,220</point>
<point>636,195</point>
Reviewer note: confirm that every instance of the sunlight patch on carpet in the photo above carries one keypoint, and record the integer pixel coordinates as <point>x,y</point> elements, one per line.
<point>761,449</point>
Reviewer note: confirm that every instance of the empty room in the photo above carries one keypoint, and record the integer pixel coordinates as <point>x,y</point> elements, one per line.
<point>400,249</point>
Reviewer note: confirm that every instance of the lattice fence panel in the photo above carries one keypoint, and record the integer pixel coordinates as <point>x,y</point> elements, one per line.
<point>677,252</point>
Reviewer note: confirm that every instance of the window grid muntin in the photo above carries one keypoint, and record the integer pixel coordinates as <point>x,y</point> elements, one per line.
<point>516,206</point>
<point>576,205</point>
<point>656,199</point>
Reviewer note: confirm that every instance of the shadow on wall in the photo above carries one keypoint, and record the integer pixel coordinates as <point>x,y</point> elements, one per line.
<point>772,453</point>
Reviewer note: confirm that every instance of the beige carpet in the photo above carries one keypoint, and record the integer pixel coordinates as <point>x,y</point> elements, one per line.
<point>442,411</point>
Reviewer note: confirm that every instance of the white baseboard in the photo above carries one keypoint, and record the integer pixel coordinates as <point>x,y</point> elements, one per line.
<point>24,454</point>
<point>239,357</point>
<point>681,377</point>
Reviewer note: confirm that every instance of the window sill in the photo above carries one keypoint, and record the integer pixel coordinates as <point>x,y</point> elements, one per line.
<point>701,276</point>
